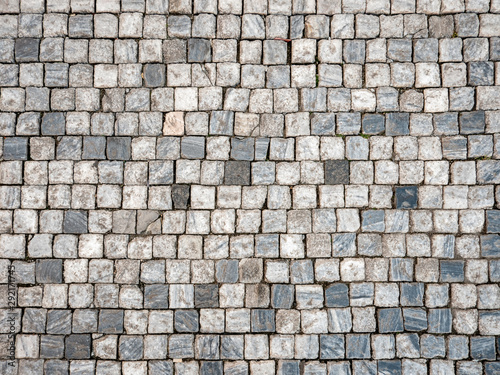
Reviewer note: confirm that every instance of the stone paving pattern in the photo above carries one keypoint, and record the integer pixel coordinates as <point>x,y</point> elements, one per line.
<point>251,187</point>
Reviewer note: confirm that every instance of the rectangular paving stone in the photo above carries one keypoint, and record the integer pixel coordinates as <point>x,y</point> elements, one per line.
<point>336,172</point>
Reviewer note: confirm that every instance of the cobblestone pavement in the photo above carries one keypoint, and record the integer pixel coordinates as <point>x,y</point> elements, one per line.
<point>250,187</point>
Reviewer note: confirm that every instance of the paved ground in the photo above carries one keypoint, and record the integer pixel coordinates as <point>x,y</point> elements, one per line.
<point>250,187</point>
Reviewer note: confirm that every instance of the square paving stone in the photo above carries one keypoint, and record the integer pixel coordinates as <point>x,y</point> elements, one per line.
<point>131,348</point>
<point>323,124</point>
<point>336,172</point>
<point>432,346</point>
<point>481,73</point>
<point>406,197</point>
<point>390,320</point>
<point>154,75</point>
<point>94,148</point>
<point>452,271</point>
<point>232,347</point>
<point>401,269</point>
<point>180,196</point>
<point>282,296</point>
<point>118,148</point>
<point>206,295</point>
<point>199,50</point>
<point>53,123</point>
<point>226,271</point>
<point>332,346</point>
<point>412,294</point>
<point>267,245</point>
<point>390,367</point>
<point>49,271</point>
<point>75,222</point>
<point>337,295</point>
<point>373,221</point>
<point>69,148</point>
<point>237,173</point>
<point>492,368</point>
<point>290,367</point>
<point>415,319</point>
<point>262,320</point>
<point>110,321</point>
<point>302,272</point>
<point>373,124</point>
<point>78,346</point>
<point>181,346</point>
<point>156,296</point>
<point>211,368</point>
<point>52,346</point>
<point>482,348</point>
<point>458,347</point>
<point>221,123</point>
<point>160,368</point>
<point>59,322</point>
<point>26,49</point>
<point>397,124</point>
<point>193,147</point>
<point>493,221</point>
<point>439,320</point>
<point>472,122</point>
<point>15,148</point>
<point>242,148</point>
<point>186,321</point>
<point>358,346</point>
